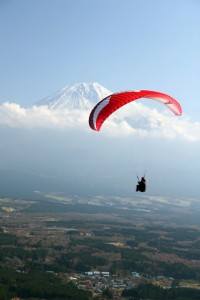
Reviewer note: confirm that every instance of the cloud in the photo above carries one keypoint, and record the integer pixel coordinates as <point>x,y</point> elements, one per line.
<point>137,119</point>
<point>149,122</point>
<point>15,116</point>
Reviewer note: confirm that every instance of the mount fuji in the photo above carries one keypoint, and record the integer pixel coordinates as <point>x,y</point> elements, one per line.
<point>76,96</point>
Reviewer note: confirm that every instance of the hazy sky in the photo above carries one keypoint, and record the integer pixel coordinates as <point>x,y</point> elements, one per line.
<point>123,45</point>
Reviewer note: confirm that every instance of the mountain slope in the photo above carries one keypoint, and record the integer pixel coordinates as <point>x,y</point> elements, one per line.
<point>76,96</point>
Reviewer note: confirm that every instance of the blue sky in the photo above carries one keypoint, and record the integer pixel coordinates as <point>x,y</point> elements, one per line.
<point>129,44</point>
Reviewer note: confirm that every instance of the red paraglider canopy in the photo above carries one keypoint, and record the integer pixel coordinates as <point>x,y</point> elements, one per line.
<point>110,104</point>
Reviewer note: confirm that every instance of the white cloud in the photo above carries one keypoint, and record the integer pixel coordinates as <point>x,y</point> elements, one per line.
<point>148,122</point>
<point>140,120</point>
<point>13,115</point>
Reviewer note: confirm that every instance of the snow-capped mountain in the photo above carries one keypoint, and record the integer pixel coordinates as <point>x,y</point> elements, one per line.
<point>76,96</point>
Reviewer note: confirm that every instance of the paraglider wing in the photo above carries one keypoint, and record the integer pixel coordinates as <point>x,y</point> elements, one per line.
<point>110,104</point>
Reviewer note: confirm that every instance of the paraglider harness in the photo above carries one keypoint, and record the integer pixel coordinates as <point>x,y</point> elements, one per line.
<point>141,186</point>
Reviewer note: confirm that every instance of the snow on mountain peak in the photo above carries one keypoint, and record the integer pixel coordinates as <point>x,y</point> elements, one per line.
<point>76,96</point>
